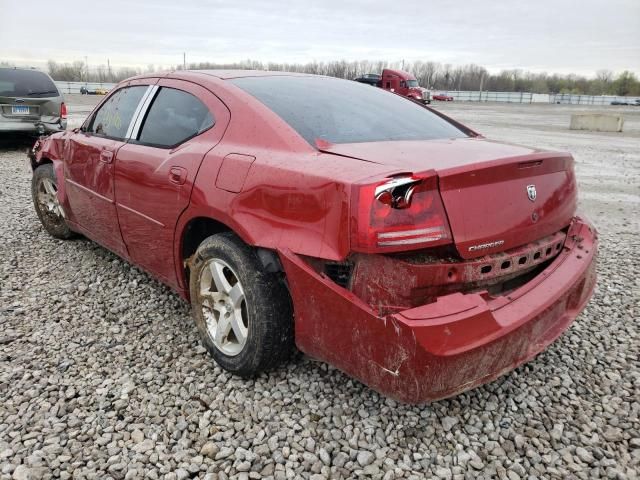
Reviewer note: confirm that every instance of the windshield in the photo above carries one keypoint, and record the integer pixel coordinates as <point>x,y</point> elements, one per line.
<point>26,83</point>
<point>412,83</point>
<point>340,111</point>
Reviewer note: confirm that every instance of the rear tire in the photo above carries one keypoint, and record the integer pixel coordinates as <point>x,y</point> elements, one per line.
<point>243,313</point>
<point>44,191</point>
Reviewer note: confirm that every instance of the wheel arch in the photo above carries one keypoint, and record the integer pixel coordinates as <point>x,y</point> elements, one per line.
<point>36,162</point>
<point>190,233</point>
<point>194,232</point>
<point>197,229</point>
<point>58,171</point>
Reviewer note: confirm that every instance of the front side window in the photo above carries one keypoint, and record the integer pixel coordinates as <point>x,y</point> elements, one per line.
<point>174,117</point>
<point>114,116</point>
<point>340,111</point>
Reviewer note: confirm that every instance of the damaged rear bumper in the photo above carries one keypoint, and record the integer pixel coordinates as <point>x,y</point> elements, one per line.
<point>453,344</point>
<point>34,126</point>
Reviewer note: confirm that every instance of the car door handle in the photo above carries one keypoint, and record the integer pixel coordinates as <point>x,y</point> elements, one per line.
<point>178,175</point>
<point>106,156</point>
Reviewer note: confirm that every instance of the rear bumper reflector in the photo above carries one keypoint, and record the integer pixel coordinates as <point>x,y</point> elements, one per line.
<point>409,237</point>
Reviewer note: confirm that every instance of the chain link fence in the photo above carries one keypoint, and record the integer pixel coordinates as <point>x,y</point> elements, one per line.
<point>477,96</point>
<point>570,99</point>
<point>528,97</point>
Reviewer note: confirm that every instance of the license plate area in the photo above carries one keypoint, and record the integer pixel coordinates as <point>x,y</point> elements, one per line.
<point>20,110</point>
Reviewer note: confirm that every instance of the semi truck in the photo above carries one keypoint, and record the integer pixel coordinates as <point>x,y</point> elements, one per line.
<point>397,81</point>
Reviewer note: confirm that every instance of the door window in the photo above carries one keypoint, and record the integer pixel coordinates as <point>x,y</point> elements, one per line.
<point>113,118</point>
<point>173,118</point>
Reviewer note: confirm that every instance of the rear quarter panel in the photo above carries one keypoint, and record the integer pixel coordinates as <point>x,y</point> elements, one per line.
<point>288,200</point>
<point>292,195</point>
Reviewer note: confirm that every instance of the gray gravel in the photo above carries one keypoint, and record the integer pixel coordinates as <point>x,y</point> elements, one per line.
<point>102,374</point>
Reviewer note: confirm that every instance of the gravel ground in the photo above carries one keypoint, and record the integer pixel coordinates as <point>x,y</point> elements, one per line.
<point>102,374</point>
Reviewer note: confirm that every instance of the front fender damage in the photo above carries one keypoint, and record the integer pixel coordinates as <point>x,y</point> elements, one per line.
<point>50,149</point>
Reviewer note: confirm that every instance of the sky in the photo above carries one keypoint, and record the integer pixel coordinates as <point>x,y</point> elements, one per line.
<point>545,35</point>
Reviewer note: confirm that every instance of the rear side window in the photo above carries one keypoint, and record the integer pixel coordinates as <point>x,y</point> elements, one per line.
<point>26,83</point>
<point>174,117</point>
<point>342,111</point>
<point>114,116</point>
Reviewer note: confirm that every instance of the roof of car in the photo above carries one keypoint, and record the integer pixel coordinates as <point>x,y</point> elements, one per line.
<point>219,74</point>
<point>227,74</point>
<point>30,69</point>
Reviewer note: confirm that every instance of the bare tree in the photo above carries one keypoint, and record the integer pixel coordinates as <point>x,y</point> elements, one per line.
<point>428,73</point>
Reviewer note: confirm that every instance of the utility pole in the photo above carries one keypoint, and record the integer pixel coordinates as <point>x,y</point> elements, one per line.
<point>184,60</point>
<point>109,69</point>
<point>481,83</point>
<point>86,63</point>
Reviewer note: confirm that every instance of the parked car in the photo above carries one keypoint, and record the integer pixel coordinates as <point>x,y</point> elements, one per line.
<point>370,79</point>
<point>634,103</point>
<point>443,97</point>
<point>97,91</point>
<point>30,102</point>
<point>371,232</point>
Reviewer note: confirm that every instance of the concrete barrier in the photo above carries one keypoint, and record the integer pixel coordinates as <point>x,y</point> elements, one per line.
<point>597,122</point>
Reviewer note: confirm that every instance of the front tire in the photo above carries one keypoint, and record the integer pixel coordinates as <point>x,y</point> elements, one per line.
<point>243,313</point>
<point>44,191</point>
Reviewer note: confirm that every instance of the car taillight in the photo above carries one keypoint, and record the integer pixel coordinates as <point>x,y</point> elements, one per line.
<point>401,213</point>
<point>63,111</point>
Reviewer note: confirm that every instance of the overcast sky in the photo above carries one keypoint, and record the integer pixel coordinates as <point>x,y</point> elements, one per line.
<point>545,35</point>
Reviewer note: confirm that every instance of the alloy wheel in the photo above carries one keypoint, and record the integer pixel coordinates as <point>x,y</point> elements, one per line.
<point>224,307</point>
<point>47,198</point>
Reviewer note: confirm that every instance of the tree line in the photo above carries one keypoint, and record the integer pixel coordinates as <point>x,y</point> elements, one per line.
<point>433,75</point>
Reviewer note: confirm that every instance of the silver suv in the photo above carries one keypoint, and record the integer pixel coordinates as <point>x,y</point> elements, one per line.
<point>30,102</point>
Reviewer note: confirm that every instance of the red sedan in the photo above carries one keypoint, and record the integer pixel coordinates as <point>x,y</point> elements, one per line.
<point>294,210</point>
<point>443,97</point>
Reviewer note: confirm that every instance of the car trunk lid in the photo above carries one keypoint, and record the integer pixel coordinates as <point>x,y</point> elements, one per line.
<point>25,107</point>
<point>508,202</point>
<point>496,196</point>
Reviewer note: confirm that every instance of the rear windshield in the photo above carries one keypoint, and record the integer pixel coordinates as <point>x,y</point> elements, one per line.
<point>343,111</point>
<point>26,83</point>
